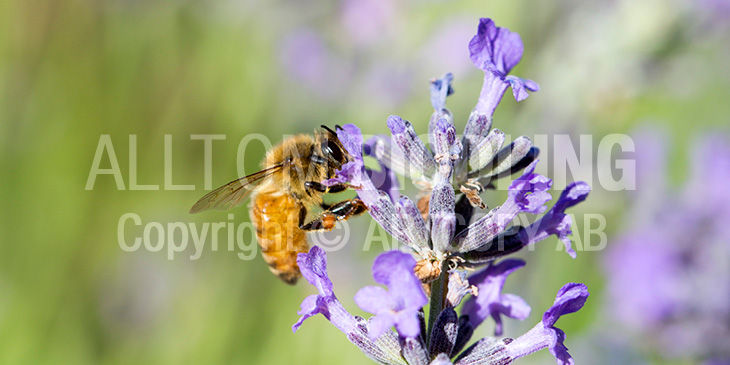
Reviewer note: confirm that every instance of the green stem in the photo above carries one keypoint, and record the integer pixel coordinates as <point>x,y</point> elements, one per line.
<point>439,288</point>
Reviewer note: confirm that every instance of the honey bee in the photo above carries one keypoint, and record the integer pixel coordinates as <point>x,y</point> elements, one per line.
<point>284,191</point>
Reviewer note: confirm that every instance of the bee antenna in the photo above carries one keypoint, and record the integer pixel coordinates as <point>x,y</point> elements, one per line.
<point>328,129</point>
<point>337,126</point>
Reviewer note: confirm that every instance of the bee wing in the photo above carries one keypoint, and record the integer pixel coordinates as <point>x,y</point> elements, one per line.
<point>233,193</point>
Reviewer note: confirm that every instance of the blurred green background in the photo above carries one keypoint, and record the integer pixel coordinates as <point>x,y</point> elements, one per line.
<point>72,71</point>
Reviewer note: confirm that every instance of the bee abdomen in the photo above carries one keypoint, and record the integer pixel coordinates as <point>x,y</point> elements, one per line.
<point>276,217</point>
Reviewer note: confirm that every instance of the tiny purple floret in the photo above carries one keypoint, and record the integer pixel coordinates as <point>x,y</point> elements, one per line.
<point>400,304</point>
<point>490,301</point>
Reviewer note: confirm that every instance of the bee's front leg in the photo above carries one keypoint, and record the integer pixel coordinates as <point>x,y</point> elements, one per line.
<point>322,188</point>
<point>337,212</point>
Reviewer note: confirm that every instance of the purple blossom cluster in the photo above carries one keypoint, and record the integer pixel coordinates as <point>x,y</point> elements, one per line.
<point>439,230</point>
<point>669,281</point>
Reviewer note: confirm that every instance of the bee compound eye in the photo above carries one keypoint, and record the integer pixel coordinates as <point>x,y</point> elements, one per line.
<point>332,150</point>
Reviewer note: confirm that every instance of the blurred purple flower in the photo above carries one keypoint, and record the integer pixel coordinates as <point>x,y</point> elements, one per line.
<point>307,59</point>
<point>367,21</point>
<point>447,41</point>
<point>669,277</point>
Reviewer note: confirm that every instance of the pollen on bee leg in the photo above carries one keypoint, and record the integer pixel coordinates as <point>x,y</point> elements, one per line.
<point>325,222</point>
<point>328,220</point>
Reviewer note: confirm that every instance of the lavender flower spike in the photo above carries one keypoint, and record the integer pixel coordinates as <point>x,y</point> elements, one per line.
<point>571,297</point>
<point>399,305</point>
<point>490,301</point>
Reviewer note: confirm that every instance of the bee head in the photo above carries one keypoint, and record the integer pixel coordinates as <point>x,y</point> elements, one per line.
<point>331,147</point>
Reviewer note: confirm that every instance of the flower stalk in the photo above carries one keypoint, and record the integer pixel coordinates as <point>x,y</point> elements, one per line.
<point>439,290</point>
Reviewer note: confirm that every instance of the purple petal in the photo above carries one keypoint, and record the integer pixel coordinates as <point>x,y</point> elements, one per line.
<point>555,221</point>
<point>407,324</point>
<point>349,172</point>
<point>389,267</point>
<point>395,269</point>
<point>521,86</point>
<point>529,191</point>
<point>351,138</point>
<point>379,324</point>
<point>354,172</point>
<point>313,266</point>
<point>384,179</point>
<point>309,308</point>
<point>373,299</point>
<point>573,194</point>
<point>495,49</point>
<point>490,301</point>
<point>512,306</point>
<point>570,298</point>
<point>398,306</point>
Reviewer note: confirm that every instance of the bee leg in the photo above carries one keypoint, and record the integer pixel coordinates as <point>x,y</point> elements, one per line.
<point>346,209</point>
<point>322,188</point>
<point>338,212</point>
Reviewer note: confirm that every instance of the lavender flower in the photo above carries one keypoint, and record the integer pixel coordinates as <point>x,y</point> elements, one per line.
<point>313,266</point>
<point>570,298</point>
<point>444,245</point>
<point>490,301</point>
<point>401,304</point>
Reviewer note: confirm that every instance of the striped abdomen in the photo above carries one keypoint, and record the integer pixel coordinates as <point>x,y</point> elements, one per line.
<point>276,216</point>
